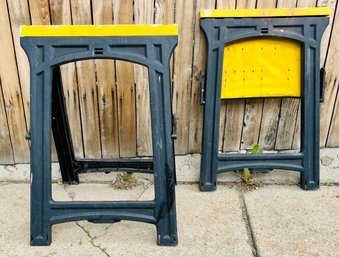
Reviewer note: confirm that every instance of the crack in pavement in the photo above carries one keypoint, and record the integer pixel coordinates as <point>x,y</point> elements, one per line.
<point>251,239</point>
<point>145,187</point>
<point>92,238</point>
<point>71,195</point>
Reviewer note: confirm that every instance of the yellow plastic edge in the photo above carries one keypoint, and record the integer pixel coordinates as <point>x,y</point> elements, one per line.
<point>269,12</point>
<point>99,30</point>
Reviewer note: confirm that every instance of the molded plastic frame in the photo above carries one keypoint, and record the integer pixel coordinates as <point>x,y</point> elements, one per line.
<point>48,112</point>
<point>220,32</point>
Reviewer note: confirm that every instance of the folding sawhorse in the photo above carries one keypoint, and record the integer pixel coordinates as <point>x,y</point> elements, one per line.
<point>48,47</point>
<point>294,35</point>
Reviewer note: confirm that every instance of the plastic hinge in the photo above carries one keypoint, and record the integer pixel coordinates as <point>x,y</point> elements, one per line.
<point>322,84</point>
<point>202,87</point>
<point>174,126</point>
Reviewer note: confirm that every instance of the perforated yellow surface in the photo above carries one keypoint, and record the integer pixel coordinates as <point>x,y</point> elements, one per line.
<point>265,67</point>
<point>98,30</point>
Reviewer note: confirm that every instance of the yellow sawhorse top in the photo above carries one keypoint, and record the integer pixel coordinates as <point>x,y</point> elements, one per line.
<point>99,30</point>
<point>265,66</point>
<point>267,12</point>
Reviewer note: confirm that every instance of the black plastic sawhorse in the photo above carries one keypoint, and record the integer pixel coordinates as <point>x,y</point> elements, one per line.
<point>48,47</point>
<point>223,30</point>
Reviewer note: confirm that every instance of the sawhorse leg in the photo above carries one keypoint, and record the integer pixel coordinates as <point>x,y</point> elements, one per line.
<point>40,157</point>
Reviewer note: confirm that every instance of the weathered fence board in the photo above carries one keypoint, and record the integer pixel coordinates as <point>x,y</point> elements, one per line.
<point>107,90</point>
<point>123,14</point>
<point>199,59</point>
<point>11,89</point>
<point>61,14</point>
<point>108,101</point>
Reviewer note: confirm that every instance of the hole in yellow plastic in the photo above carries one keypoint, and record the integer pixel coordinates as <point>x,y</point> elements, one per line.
<point>263,67</point>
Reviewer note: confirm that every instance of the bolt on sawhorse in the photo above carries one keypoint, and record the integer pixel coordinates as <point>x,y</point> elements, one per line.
<point>48,47</point>
<point>263,53</point>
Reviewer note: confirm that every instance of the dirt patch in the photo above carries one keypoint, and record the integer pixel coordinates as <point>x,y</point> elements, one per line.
<point>125,181</point>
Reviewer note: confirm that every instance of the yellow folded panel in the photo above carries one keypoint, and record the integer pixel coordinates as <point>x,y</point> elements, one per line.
<point>99,30</point>
<point>266,12</point>
<point>264,67</point>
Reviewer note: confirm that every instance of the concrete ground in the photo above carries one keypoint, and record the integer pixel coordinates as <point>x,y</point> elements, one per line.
<point>275,218</point>
<point>272,220</point>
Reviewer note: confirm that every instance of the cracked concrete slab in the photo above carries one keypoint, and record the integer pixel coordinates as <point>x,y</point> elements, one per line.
<point>288,221</point>
<point>68,238</point>
<point>209,224</point>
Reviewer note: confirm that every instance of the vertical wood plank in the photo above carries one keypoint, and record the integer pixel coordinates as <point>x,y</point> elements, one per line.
<point>19,15</point>
<point>327,33</point>
<point>6,151</point>
<point>329,109</point>
<point>234,110</point>
<point>40,16</point>
<point>331,65</point>
<point>61,14</point>
<point>230,134</point>
<point>105,70</point>
<point>199,62</point>
<point>271,107</point>
<point>143,14</point>
<point>226,4</point>
<point>269,123</point>
<point>11,89</point>
<point>246,4</point>
<point>183,72</point>
<point>81,14</point>
<point>164,14</point>
<point>164,11</point>
<point>283,129</point>
<point>294,131</point>
<point>123,14</point>
<point>254,107</point>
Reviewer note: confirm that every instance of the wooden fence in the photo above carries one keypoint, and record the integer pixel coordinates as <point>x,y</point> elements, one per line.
<point>108,101</point>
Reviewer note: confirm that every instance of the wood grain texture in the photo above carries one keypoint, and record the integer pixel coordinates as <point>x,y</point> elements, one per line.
<point>254,107</point>
<point>119,124</point>
<point>271,107</point>
<point>19,15</point>
<point>11,89</point>
<point>234,109</point>
<point>107,91</point>
<point>232,132</point>
<point>143,14</point>
<point>252,122</point>
<point>81,14</point>
<point>183,72</point>
<point>295,103</point>
<point>269,123</point>
<point>123,14</point>
<point>330,106</point>
<point>6,154</point>
<point>225,4</point>
<point>199,63</point>
<point>331,90</point>
<point>61,14</point>
<point>40,16</point>
<point>246,4</point>
<point>164,14</point>
<point>233,125</point>
<point>327,33</point>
